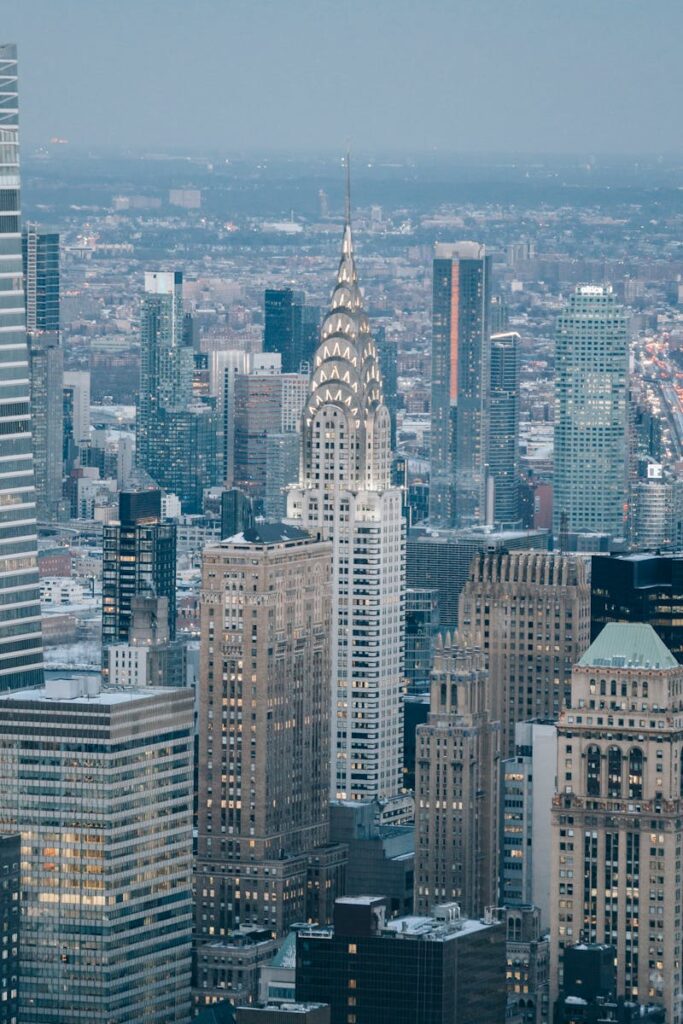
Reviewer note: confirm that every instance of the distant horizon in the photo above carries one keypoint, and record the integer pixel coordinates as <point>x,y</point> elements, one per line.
<point>445,76</point>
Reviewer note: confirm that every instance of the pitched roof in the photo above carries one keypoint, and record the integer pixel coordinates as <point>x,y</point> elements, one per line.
<point>628,645</point>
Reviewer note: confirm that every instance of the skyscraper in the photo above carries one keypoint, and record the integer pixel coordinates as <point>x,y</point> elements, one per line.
<point>456,787</point>
<point>264,736</point>
<point>139,557</point>
<point>40,250</point>
<point>530,612</point>
<point>99,784</point>
<point>617,814</point>
<point>176,434</point>
<point>460,383</point>
<point>344,494</point>
<point>503,458</point>
<point>283,326</point>
<point>591,416</point>
<point>21,648</point>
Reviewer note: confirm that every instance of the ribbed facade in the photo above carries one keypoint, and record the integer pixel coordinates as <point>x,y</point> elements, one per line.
<point>345,495</point>
<point>21,650</point>
<point>504,427</point>
<point>530,612</point>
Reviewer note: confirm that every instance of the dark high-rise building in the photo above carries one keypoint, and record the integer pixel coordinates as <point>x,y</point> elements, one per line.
<point>139,556</point>
<point>639,588</point>
<point>388,361</point>
<point>433,970</point>
<point>21,647</point>
<point>422,625</point>
<point>460,383</point>
<point>40,252</point>
<point>10,926</point>
<point>191,456</point>
<point>237,514</point>
<point>504,427</point>
<point>282,327</point>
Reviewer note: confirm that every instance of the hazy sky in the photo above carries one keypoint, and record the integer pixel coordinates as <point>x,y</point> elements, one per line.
<point>552,76</point>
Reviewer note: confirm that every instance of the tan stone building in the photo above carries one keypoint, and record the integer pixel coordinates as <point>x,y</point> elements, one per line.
<point>529,611</point>
<point>264,738</point>
<point>617,816</point>
<point>456,799</point>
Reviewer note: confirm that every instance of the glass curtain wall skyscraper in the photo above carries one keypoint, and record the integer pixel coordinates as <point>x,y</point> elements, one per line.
<point>591,414</point>
<point>460,383</point>
<point>21,649</point>
<point>40,251</point>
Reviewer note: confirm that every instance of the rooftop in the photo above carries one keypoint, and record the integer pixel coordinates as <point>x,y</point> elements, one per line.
<point>628,645</point>
<point>269,533</point>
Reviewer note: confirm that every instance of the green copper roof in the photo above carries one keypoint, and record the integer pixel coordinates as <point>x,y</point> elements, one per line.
<point>628,645</point>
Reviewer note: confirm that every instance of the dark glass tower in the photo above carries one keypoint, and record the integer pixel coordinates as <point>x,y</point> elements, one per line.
<point>139,557</point>
<point>283,326</point>
<point>504,427</point>
<point>40,252</point>
<point>460,383</point>
<point>21,648</point>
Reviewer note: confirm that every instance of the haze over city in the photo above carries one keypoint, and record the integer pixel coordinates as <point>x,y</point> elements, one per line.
<point>449,76</point>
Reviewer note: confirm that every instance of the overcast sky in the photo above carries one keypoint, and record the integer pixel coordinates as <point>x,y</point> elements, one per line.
<point>461,76</point>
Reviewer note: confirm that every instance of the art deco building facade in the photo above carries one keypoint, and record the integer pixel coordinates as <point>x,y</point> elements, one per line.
<point>591,419</point>
<point>264,739</point>
<point>21,648</point>
<point>530,613</point>
<point>345,495</point>
<point>456,792</point>
<point>99,784</point>
<point>460,383</point>
<point>617,814</point>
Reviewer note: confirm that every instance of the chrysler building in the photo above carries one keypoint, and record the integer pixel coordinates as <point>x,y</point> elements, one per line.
<point>345,495</point>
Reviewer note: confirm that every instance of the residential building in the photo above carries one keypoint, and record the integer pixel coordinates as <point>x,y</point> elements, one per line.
<point>530,613</point>
<point>456,787</point>
<point>21,647</point>
<point>111,829</point>
<point>77,384</point>
<point>40,258</point>
<point>590,478</point>
<point>460,383</point>
<point>437,969</point>
<point>617,813</point>
<point>139,557</point>
<point>503,452</point>
<point>149,657</point>
<point>345,495</point>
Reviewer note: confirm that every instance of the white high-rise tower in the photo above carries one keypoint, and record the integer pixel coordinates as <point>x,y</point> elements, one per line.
<point>345,494</point>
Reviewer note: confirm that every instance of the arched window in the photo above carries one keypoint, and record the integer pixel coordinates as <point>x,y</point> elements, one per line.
<point>635,774</point>
<point>593,771</point>
<point>614,773</point>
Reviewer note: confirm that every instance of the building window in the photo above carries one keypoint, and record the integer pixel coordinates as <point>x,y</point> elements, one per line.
<point>593,771</point>
<point>635,774</point>
<point>614,773</point>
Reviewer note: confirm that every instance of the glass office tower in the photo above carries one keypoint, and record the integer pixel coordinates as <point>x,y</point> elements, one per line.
<point>21,649</point>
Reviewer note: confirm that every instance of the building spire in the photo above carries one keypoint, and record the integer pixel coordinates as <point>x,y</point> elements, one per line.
<point>347,194</point>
